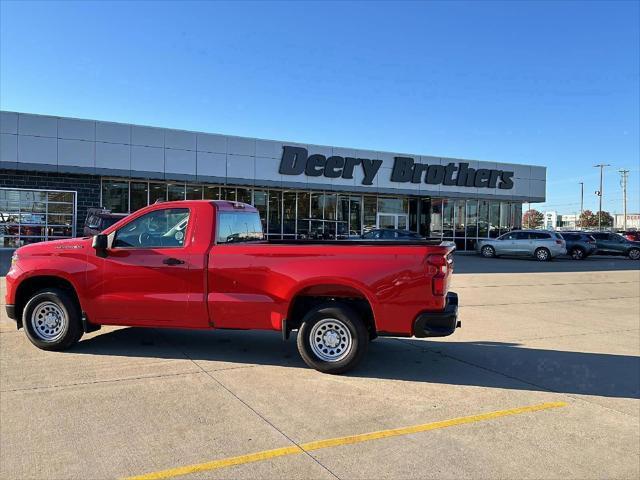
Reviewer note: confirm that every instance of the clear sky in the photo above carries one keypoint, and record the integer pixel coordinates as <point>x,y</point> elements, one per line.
<point>546,83</point>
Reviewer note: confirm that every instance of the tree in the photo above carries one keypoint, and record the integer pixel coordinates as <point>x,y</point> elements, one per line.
<point>588,219</point>
<point>532,219</point>
<point>607,219</point>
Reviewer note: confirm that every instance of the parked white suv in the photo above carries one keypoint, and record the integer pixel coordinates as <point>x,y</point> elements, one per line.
<point>540,244</point>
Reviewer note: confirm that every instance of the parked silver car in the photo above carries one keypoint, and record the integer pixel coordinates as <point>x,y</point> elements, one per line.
<point>540,244</point>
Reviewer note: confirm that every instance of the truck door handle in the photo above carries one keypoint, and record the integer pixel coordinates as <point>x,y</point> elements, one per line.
<point>172,261</point>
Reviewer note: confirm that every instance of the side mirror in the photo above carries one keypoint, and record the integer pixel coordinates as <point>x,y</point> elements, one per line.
<point>100,244</point>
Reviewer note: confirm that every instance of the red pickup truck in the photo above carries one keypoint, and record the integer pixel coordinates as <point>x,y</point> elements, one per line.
<point>207,264</point>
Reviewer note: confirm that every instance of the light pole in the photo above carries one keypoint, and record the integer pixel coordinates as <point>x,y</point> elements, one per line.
<point>601,166</point>
<point>624,174</point>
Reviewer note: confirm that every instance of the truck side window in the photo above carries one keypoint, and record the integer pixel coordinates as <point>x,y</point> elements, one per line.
<point>236,227</point>
<point>157,229</point>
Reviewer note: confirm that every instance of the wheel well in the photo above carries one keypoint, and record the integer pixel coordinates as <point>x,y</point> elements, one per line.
<point>32,285</point>
<point>305,301</point>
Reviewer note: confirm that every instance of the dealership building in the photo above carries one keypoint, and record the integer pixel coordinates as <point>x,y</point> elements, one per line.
<point>52,169</point>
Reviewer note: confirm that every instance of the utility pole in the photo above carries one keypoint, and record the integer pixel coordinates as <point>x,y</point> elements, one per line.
<point>599,193</point>
<point>581,197</point>
<point>624,175</point>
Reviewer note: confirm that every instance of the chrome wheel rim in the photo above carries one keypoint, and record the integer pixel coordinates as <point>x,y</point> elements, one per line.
<point>48,321</point>
<point>330,340</point>
<point>577,254</point>
<point>634,254</point>
<point>542,255</point>
<point>487,251</point>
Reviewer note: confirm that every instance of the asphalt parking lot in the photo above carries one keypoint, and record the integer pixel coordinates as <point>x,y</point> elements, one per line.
<point>542,381</point>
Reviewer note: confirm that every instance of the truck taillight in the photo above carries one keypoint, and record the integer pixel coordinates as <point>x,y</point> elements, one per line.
<point>559,242</point>
<point>441,264</point>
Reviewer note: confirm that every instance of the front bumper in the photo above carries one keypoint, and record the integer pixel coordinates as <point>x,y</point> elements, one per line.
<point>11,311</point>
<point>438,324</point>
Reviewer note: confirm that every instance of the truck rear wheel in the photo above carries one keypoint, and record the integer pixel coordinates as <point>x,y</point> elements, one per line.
<point>51,320</point>
<point>332,338</point>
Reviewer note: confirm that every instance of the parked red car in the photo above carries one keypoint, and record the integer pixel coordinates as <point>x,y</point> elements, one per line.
<point>206,264</point>
<point>632,235</point>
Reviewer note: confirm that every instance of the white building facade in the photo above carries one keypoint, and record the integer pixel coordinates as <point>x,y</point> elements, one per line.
<point>53,168</point>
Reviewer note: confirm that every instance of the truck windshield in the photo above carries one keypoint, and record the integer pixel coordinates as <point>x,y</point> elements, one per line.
<point>234,227</point>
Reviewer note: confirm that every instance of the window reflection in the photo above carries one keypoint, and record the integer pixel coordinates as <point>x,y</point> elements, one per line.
<point>30,216</point>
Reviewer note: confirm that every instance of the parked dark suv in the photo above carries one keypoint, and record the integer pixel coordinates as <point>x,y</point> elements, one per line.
<point>614,244</point>
<point>98,219</point>
<point>579,244</point>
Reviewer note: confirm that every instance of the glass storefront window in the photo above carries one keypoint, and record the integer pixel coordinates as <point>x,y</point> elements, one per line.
<point>175,191</point>
<point>157,192</point>
<point>303,214</point>
<point>370,213</point>
<point>30,216</point>
<point>138,196</point>
<point>275,214</point>
<point>317,204</point>
<point>355,214</point>
<point>494,219</point>
<point>115,196</point>
<point>436,219</point>
<point>330,202</point>
<point>194,192</point>
<point>343,216</point>
<point>483,219</point>
<point>516,215</point>
<point>64,197</point>
<point>243,195</point>
<point>413,214</point>
<point>211,193</point>
<point>505,217</point>
<point>471,226</point>
<point>447,218</point>
<point>472,218</point>
<point>289,213</point>
<point>459,219</point>
<point>393,205</point>
<point>229,194</point>
<point>260,201</point>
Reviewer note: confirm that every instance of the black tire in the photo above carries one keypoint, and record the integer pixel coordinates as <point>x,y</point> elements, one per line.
<point>634,253</point>
<point>488,251</point>
<point>333,319</point>
<point>54,302</point>
<point>542,254</point>
<point>578,253</point>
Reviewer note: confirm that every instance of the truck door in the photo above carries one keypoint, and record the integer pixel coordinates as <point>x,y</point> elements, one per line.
<point>145,276</point>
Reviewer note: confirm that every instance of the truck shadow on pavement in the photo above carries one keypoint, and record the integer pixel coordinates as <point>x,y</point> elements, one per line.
<point>484,364</point>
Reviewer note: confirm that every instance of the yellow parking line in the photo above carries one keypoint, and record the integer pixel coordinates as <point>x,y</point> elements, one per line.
<point>334,442</point>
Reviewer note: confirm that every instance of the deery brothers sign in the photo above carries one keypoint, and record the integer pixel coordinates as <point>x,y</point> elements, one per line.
<point>296,161</point>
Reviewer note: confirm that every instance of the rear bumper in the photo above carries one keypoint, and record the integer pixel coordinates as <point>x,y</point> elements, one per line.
<point>438,324</point>
<point>11,311</point>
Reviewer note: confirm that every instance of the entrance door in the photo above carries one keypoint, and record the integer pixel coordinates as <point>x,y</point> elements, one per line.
<point>393,220</point>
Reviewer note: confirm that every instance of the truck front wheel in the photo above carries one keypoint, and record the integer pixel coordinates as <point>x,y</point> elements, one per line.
<point>51,320</point>
<point>332,338</point>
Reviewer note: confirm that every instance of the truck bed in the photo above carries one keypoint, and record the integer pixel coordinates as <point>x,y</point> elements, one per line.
<point>355,242</point>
